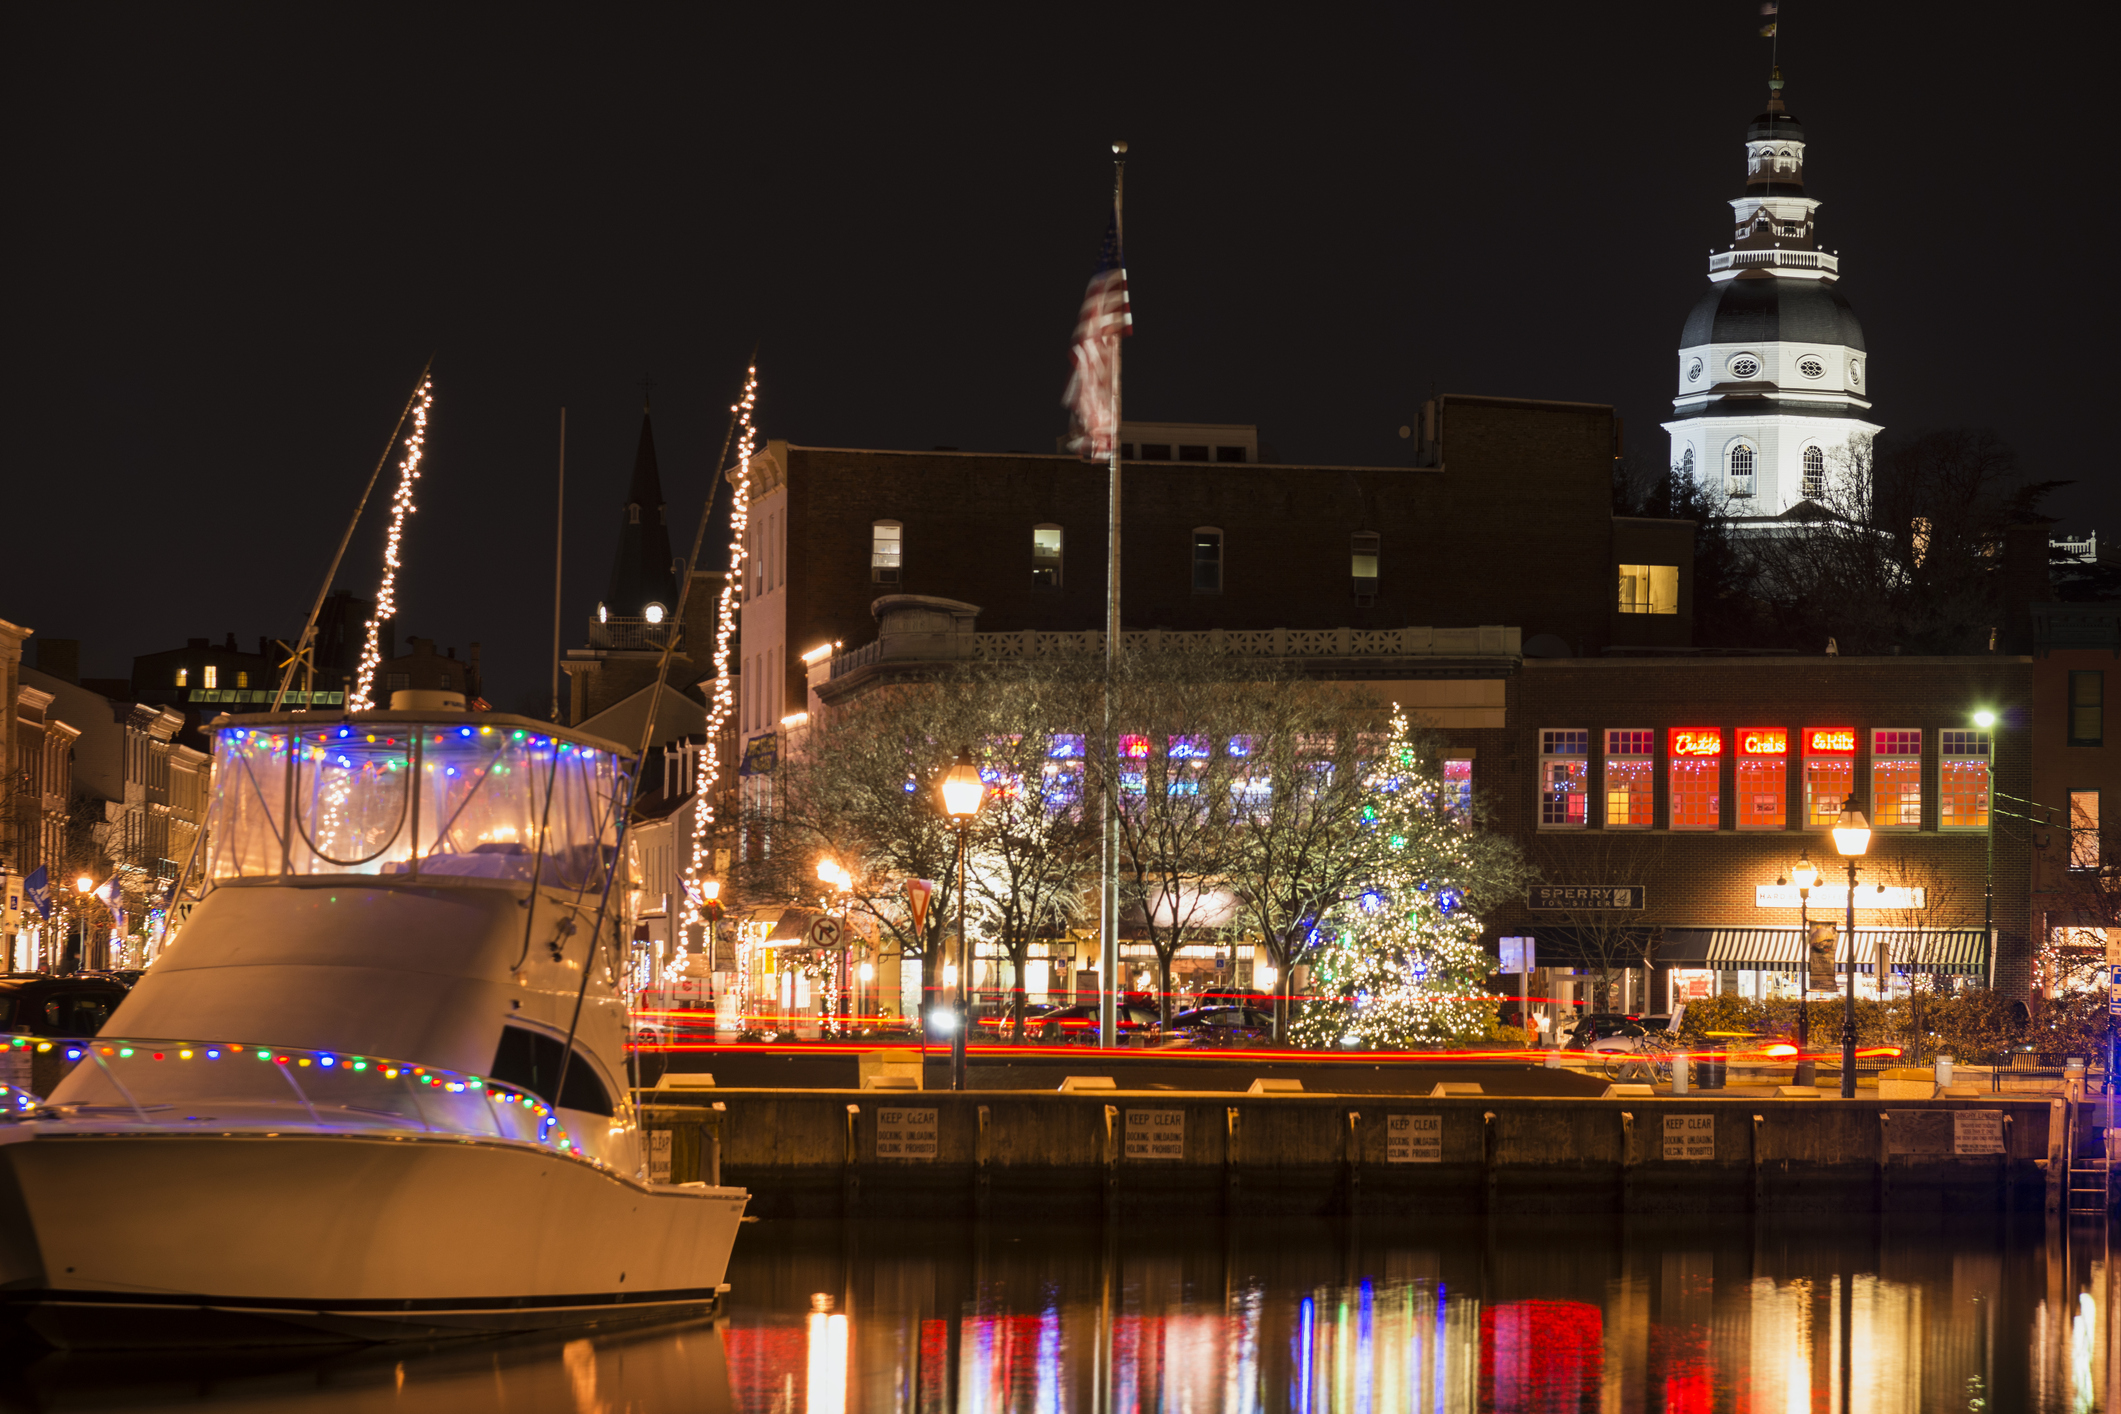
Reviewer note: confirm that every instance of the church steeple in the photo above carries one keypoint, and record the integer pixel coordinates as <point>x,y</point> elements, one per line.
<point>644,582</point>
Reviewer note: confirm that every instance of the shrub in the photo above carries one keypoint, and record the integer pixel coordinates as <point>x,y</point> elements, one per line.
<point>2073,1024</point>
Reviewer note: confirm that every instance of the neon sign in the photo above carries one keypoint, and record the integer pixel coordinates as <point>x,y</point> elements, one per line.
<point>1830,741</point>
<point>1763,741</point>
<point>1697,741</point>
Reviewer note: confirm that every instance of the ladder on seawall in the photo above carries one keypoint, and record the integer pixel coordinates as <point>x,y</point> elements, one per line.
<point>2093,1139</point>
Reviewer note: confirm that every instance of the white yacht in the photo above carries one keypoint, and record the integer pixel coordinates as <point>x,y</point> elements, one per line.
<point>377,1087</point>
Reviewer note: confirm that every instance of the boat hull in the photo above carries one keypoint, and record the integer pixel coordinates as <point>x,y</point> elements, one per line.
<point>144,1238</point>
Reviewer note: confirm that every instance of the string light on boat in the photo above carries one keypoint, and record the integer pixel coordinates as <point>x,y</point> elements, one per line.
<point>105,1053</point>
<point>709,767</point>
<point>386,594</point>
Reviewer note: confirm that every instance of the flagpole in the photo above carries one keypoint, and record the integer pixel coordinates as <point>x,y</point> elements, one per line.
<point>1108,852</point>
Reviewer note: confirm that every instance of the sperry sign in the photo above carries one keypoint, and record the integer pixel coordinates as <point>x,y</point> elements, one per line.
<point>1625,897</point>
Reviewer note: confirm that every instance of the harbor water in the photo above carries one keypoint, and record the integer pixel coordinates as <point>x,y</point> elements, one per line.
<point>1790,1316</point>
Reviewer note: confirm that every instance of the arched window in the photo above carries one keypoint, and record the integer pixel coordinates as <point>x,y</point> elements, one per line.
<point>1046,556</point>
<point>1741,476</point>
<point>1814,472</point>
<point>886,551</point>
<point>1686,464</point>
<point>633,513</point>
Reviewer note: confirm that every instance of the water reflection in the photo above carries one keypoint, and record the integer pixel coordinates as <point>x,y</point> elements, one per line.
<point>1787,1316</point>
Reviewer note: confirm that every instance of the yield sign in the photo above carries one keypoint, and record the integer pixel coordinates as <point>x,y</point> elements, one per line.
<point>918,894</point>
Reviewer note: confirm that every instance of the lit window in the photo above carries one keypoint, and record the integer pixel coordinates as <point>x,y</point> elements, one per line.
<point>184,677</point>
<point>2087,700</point>
<point>1829,774</point>
<point>1363,550</point>
<point>1697,778</point>
<point>242,679</point>
<point>2084,829</point>
<point>1564,777</point>
<point>1962,780</point>
<point>1046,556</point>
<point>1649,589</point>
<point>886,549</point>
<point>1207,560</point>
<point>1630,779</point>
<point>1458,786</point>
<point>212,676</point>
<point>1814,472</point>
<point>1896,779</point>
<point>1741,477</point>
<point>1763,778</point>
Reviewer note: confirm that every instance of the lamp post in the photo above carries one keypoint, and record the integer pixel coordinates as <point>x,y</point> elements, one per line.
<point>1986,720</point>
<point>1804,876</point>
<point>962,790</point>
<point>1852,837</point>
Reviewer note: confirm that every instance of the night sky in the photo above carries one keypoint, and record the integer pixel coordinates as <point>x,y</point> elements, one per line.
<point>238,231</point>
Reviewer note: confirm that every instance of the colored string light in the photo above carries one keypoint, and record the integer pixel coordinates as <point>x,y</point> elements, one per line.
<point>709,769</point>
<point>386,595</point>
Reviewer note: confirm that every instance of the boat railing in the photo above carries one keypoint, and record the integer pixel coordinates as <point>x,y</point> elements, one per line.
<point>209,1086</point>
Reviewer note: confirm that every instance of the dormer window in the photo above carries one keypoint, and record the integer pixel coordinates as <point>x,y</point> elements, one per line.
<point>184,677</point>
<point>212,676</point>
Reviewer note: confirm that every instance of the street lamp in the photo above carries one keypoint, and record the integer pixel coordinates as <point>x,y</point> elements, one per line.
<point>962,789</point>
<point>1852,837</point>
<point>1985,719</point>
<point>1804,876</point>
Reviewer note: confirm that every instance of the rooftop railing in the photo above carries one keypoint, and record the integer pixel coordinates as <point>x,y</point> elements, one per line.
<point>1792,259</point>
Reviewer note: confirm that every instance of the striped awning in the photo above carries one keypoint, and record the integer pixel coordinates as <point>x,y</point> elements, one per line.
<point>1956,951</point>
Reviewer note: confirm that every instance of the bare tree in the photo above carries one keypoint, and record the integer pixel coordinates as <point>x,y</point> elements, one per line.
<point>1900,549</point>
<point>1033,844</point>
<point>1177,780</point>
<point>1301,849</point>
<point>1610,939</point>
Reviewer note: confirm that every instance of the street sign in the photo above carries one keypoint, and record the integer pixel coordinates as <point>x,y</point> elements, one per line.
<point>824,933</point>
<point>1518,955</point>
<point>1632,898</point>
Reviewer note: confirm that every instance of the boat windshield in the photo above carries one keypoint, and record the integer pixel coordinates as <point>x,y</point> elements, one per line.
<point>426,800</point>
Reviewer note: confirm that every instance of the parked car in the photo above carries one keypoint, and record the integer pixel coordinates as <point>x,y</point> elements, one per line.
<point>1222,1026</point>
<point>995,1025</point>
<point>1077,1026</point>
<point>1602,1031</point>
<point>36,1005</point>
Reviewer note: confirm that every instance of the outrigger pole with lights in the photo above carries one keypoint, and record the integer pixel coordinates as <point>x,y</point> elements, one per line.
<point>305,645</point>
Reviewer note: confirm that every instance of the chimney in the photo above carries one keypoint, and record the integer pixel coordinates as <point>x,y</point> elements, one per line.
<point>2022,583</point>
<point>231,644</point>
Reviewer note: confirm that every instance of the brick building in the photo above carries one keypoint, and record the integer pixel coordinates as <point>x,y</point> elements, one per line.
<point>2075,776</point>
<point>1702,779</point>
<point>1506,520</point>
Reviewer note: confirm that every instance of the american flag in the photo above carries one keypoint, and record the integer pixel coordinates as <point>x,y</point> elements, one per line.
<point>1093,389</point>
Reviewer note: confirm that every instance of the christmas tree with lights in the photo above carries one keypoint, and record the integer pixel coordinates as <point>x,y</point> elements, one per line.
<point>1401,963</point>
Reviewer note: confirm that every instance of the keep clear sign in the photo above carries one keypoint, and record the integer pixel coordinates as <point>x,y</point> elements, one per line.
<point>1413,1139</point>
<point>1690,1136</point>
<point>1977,1131</point>
<point>905,1134</point>
<point>1156,1134</point>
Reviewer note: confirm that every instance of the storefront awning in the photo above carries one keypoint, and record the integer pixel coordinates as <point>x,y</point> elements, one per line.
<point>1955,951</point>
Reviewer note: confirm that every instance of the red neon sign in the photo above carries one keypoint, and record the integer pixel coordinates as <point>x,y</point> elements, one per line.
<point>1763,741</point>
<point>1697,741</point>
<point>1830,741</point>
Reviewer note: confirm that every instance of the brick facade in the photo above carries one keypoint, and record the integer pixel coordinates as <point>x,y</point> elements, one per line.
<point>1707,879</point>
<point>1511,524</point>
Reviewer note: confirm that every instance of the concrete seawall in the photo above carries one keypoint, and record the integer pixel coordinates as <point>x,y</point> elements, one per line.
<point>854,1153</point>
